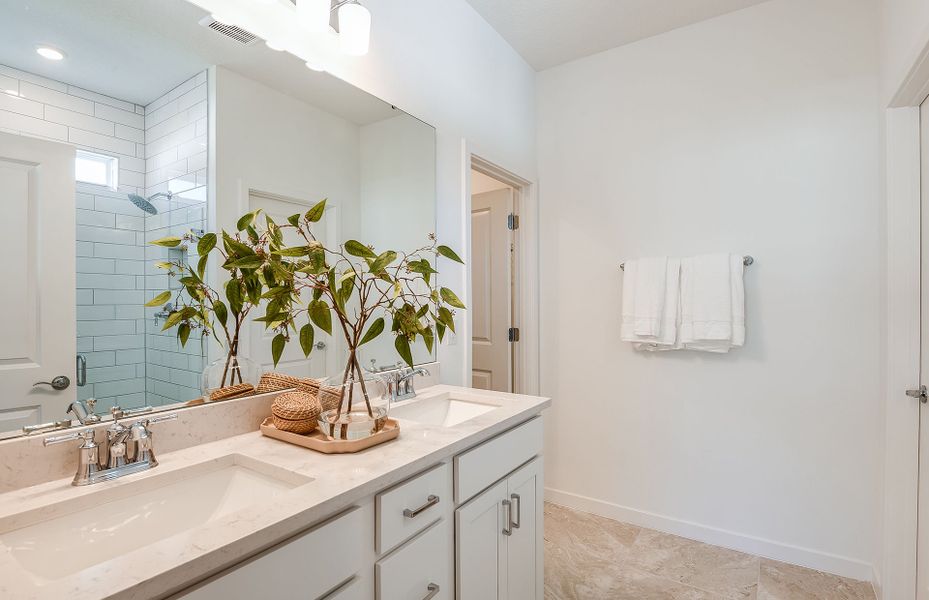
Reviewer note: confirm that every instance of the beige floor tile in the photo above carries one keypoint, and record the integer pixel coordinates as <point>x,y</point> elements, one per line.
<point>590,535</point>
<point>596,579</point>
<point>780,581</point>
<point>718,570</point>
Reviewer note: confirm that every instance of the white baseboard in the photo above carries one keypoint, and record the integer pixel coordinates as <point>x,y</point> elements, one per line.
<point>804,557</point>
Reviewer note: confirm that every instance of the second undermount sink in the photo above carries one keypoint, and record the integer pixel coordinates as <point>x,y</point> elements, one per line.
<point>445,410</point>
<point>116,520</point>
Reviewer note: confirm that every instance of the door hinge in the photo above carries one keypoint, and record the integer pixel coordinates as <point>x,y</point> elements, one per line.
<point>922,393</point>
<point>512,222</point>
<point>513,334</point>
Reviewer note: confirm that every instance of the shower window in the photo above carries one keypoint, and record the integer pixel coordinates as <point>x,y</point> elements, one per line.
<point>97,169</point>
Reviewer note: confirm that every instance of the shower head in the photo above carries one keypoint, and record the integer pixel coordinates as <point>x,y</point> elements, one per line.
<point>146,203</point>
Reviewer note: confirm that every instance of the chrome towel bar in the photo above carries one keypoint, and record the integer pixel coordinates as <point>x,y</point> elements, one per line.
<point>746,260</point>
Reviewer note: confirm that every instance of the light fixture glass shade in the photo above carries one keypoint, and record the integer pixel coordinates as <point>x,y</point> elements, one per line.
<point>354,29</point>
<point>314,14</point>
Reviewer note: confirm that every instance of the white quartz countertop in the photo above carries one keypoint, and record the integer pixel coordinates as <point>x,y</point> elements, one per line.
<point>172,564</point>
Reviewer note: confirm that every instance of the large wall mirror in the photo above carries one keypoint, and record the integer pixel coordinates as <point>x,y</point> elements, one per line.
<point>125,122</point>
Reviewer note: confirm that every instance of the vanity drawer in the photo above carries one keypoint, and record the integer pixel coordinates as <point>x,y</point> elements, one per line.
<point>408,508</point>
<point>418,569</point>
<point>302,568</point>
<point>480,467</point>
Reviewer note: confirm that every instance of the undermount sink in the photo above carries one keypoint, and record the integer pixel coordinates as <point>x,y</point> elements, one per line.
<point>119,519</point>
<point>445,410</point>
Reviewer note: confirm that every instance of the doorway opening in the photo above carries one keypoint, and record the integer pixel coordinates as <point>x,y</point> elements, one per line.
<point>495,201</point>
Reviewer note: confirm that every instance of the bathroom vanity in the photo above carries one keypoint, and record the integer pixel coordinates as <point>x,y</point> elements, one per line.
<point>451,509</point>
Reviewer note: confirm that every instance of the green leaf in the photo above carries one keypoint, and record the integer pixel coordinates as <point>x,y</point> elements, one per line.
<point>449,297</point>
<point>376,328</point>
<point>440,329</point>
<point>294,220</point>
<point>253,288</point>
<point>277,347</point>
<point>356,248</point>
<point>247,219</point>
<point>449,253</point>
<point>159,299</point>
<point>319,314</point>
<point>316,213</point>
<point>219,309</point>
<point>206,244</point>
<point>383,261</point>
<point>167,242</point>
<point>446,318</point>
<point>403,349</point>
<point>234,295</point>
<point>183,333</point>
<point>201,265</point>
<point>293,251</point>
<point>307,333</point>
<point>429,339</point>
<point>165,265</point>
<point>173,319</point>
<point>247,262</point>
<point>235,248</point>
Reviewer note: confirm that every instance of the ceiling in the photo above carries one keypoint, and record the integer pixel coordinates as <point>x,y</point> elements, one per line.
<point>137,50</point>
<point>548,33</point>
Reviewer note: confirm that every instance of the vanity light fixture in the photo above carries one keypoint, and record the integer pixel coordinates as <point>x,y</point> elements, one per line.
<point>315,66</point>
<point>49,52</point>
<point>314,14</point>
<point>354,28</point>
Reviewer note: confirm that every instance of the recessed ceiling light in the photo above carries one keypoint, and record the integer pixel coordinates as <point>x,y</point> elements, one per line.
<point>49,52</point>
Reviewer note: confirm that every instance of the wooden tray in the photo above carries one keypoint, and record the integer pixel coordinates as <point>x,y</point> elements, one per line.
<point>319,441</point>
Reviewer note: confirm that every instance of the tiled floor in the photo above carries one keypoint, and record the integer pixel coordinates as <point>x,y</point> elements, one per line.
<point>592,558</point>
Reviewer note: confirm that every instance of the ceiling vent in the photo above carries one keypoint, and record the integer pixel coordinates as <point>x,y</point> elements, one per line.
<point>237,34</point>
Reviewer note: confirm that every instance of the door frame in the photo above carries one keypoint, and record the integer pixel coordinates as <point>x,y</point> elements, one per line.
<point>896,569</point>
<point>525,291</point>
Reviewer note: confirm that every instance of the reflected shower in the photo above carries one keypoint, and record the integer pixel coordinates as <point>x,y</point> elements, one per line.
<point>146,203</point>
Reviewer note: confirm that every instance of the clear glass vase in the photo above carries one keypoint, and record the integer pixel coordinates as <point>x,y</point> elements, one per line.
<point>229,376</point>
<point>354,409</point>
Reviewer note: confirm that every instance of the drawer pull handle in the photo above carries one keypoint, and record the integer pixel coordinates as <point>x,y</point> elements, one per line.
<point>412,513</point>
<point>516,500</point>
<point>433,591</point>
<point>508,528</point>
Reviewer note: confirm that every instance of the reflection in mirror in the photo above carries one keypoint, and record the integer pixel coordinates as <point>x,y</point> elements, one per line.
<point>156,124</point>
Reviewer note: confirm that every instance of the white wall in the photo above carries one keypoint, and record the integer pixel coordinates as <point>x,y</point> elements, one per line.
<point>440,61</point>
<point>756,132</point>
<point>904,34</point>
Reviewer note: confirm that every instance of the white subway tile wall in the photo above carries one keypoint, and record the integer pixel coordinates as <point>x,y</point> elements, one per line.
<point>123,366</point>
<point>175,161</point>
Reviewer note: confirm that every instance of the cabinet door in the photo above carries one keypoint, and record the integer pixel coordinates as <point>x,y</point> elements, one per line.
<point>481,546</point>
<point>524,547</point>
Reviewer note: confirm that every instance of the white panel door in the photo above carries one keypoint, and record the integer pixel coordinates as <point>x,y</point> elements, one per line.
<point>292,362</point>
<point>37,307</point>
<point>481,546</point>
<point>524,550</point>
<point>922,552</point>
<point>491,260</point>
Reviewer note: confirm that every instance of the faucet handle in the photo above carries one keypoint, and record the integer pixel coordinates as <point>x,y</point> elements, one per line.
<point>86,437</point>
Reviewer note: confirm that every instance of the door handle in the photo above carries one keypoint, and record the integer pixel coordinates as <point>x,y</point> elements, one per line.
<point>81,370</point>
<point>320,345</point>
<point>59,383</point>
<point>508,528</point>
<point>516,500</point>
<point>922,393</point>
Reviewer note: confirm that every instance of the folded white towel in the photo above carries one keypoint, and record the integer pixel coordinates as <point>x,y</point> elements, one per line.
<point>651,303</point>
<point>712,303</point>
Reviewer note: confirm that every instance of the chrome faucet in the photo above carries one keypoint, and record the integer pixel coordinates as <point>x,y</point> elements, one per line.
<point>128,450</point>
<point>400,383</point>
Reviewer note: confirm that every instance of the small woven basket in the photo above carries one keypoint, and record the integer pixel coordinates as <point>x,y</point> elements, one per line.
<point>232,391</point>
<point>272,382</point>
<point>296,412</point>
<point>329,397</point>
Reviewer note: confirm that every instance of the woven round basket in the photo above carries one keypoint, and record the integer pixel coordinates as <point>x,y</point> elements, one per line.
<point>232,391</point>
<point>296,412</point>
<point>310,385</point>
<point>272,382</point>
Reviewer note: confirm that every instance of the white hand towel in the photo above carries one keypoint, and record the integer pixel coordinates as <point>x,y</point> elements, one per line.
<point>650,305</point>
<point>712,303</point>
<point>651,276</point>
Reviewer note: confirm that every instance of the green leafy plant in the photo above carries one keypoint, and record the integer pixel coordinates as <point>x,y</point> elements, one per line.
<point>351,289</point>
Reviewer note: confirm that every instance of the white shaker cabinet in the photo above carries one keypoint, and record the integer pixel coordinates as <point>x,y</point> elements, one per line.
<point>499,539</point>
